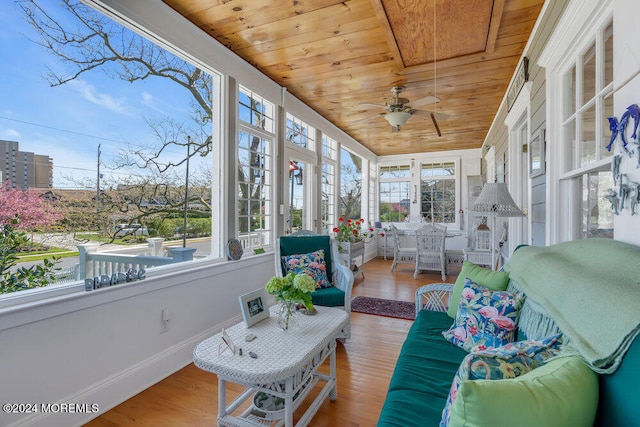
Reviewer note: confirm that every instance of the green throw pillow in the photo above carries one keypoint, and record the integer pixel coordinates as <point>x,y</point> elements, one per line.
<point>494,280</point>
<point>562,392</point>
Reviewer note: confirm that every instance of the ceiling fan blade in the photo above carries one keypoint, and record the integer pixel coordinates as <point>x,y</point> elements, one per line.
<point>425,101</point>
<point>435,124</point>
<point>368,117</point>
<point>424,113</point>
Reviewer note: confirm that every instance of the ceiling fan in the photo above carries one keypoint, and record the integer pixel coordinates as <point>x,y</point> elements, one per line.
<point>398,110</point>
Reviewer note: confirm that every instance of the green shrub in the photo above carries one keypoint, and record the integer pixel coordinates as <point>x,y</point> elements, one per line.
<point>11,240</point>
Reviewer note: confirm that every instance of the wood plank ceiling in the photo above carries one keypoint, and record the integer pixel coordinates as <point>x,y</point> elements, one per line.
<point>339,57</point>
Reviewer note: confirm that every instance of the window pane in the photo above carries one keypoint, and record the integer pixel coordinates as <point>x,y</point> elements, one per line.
<point>328,194</point>
<point>438,169</point>
<point>589,74</point>
<point>254,190</point>
<point>401,171</point>
<point>604,140</point>
<point>597,216</point>
<point>350,185</point>
<point>570,93</point>
<point>569,146</point>
<point>394,201</point>
<point>437,189</point>
<point>588,140</point>
<point>300,133</point>
<point>438,200</point>
<point>608,54</point>
<point>254,110</point>
<point>329,148</point>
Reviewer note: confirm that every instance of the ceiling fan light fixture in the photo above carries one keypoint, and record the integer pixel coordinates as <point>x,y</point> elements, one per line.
<point>397,118</point>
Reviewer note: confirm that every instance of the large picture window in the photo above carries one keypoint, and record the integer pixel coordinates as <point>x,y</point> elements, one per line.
<point>394,192</point>
<point>118,139</point>
<point>438,192</point>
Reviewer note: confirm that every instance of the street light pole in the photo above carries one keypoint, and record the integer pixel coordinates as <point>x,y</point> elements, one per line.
<point>186,196</point>
<point>98,183</point>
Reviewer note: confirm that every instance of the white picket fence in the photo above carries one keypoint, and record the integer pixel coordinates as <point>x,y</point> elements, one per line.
<point>66,275</point>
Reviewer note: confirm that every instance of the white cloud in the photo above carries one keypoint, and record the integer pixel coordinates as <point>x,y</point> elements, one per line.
<point>153,103</point>
<point>105,100</point>
<point>11,133</point>
<point>147,99</point>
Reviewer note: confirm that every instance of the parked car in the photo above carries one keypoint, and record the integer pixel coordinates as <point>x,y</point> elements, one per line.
<point>131,230</point>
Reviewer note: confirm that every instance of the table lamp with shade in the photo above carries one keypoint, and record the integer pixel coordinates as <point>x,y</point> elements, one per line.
<point>495,201</point>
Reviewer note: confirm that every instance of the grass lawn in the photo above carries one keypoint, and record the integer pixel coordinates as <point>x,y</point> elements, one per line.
<point>38,256</point>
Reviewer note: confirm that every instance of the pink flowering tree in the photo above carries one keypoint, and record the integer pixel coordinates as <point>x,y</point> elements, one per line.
<point>31,210</point>
<point>22,210</point>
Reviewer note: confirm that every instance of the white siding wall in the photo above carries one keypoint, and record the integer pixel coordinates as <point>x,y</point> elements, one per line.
<point>105,346</point>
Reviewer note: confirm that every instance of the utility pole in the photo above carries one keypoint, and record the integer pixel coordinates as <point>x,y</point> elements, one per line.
<point>186,196</point>
<point>98,184</point>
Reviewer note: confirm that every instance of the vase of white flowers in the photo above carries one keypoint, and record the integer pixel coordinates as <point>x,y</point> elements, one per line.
<point>290,291</point>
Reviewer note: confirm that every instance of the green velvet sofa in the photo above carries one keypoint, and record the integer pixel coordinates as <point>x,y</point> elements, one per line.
<point>427,362</point>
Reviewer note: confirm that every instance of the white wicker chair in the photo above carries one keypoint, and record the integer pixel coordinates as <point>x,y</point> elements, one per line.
<point>404,246</point>
<point>434,297</point>
<point>430,249</point>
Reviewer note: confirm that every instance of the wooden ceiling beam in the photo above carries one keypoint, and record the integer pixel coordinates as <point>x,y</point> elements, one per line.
<point>494,27</point>
<point>378,8</point>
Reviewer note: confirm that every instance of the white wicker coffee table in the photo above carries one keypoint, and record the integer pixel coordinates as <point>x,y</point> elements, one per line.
<point>286,364</point>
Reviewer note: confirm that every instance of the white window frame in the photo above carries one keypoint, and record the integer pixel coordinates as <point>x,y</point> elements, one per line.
<point>516,175</point>
<point>396,180</point>
<point>261,238</point>
<point>306,133</point>
<point>15,301</point>
<point>372,214</point>
<point>582,23</point>
<point>455,177</point>
<point>329,177</point>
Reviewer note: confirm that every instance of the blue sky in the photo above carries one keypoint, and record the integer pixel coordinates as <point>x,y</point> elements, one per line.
<point>68,122</point>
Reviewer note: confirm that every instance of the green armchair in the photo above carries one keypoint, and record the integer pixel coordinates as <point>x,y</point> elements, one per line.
<point>341,278</point>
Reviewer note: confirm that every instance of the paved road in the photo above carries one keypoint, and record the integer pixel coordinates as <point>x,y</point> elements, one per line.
<point>202,246</point>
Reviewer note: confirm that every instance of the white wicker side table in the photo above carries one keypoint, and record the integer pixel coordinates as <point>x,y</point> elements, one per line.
<point>286,365</point>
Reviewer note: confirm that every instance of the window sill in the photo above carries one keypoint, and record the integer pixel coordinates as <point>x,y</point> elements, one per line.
<point>29,306</point>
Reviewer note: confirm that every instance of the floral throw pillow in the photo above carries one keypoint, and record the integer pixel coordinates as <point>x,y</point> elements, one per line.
<point>485,318</point>
<point>508,361</point>
<point>312,264</point>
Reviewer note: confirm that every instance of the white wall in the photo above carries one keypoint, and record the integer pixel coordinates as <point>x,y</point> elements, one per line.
<point>626,60</point>
<point>105,346</point>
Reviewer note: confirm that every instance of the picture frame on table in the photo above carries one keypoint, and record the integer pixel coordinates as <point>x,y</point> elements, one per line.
<point>537,153</point>
<point>227,343</point>
<point>254,306</point>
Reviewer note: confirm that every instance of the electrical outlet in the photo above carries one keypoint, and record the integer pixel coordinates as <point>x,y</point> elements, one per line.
<point>164,318</point>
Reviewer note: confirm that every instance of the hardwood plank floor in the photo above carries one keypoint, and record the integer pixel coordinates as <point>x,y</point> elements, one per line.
<point>364,367</point>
